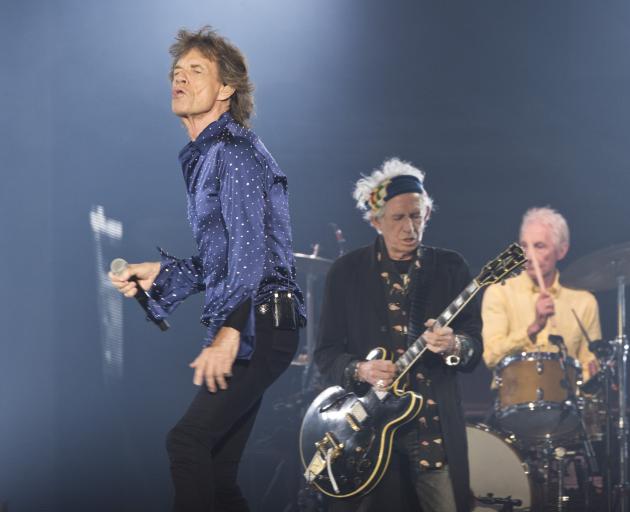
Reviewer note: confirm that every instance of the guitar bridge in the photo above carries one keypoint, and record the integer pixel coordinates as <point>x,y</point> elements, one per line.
<point>326,449</point>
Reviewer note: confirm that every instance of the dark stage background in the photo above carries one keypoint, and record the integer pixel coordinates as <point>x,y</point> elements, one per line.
<point>506,104</point>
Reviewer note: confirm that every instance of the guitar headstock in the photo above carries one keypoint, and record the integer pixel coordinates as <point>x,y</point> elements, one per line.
<point>506,264</point>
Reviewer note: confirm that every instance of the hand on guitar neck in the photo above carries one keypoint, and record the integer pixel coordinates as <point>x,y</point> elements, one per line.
<point>440,340</point>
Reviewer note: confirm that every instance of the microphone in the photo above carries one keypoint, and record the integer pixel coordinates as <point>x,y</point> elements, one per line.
<point>118,266</point>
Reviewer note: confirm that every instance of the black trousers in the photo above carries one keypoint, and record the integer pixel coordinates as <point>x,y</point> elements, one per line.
<point>206,445</point>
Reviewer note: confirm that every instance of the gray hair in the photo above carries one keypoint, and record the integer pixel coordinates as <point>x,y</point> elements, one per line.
<point>550,218</point>
<point>391,168</point>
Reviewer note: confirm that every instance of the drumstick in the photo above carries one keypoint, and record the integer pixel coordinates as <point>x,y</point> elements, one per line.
<point>534,260</point>
<point>584,332</point>
<point>539,277</point>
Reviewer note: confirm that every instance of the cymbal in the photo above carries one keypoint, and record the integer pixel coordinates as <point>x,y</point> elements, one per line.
<point>599,270</point>
<point>309,264</point>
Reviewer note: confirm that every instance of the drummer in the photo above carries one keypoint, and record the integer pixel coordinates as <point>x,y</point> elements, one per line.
<point>520,315</point>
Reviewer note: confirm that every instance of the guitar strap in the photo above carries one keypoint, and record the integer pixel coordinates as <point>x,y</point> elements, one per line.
<point>422,281</point>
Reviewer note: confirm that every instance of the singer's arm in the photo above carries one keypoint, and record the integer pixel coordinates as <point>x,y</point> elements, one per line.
<point>176,280</point>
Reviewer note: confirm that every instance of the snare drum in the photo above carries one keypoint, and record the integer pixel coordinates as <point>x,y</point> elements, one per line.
<point>533,396</point>
<point>498,472</point>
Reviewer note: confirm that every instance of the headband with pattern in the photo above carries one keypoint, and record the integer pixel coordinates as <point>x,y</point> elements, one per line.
<point>392,187</point>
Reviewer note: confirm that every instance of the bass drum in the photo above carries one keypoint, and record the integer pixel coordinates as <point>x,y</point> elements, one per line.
<point>498,472</point>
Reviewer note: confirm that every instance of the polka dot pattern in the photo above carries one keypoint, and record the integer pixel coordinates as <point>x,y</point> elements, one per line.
<point>239,213</point>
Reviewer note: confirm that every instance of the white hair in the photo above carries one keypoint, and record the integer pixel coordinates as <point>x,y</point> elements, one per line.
<point>390,169</point>
<point>550,218</point>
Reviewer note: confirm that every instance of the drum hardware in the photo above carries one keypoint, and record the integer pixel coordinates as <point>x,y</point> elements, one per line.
<point>601,348</point>
<point>507,504</point>
<point>607,269</point>
<point>500,476</point>
<point>572,397</point>
<point>560,454</point>
<point>551,462</point>
<point>542,474</point>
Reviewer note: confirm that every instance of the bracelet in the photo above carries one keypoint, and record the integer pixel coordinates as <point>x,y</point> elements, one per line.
<point>454,358</point>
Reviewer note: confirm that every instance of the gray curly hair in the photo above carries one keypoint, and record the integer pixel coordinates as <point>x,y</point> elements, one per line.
<point>367,185</point>
<point>549,217</point>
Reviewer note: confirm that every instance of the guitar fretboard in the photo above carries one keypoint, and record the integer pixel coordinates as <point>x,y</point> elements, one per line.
<point>418,347</point>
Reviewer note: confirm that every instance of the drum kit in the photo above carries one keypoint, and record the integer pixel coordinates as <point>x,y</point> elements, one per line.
<point>552,445</point>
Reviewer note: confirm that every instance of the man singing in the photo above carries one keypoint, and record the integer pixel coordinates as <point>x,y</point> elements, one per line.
<point>239,213</point>
<point>386,295</point>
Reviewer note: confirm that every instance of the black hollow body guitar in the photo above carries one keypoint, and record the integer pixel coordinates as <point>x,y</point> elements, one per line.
<point>346,440</point>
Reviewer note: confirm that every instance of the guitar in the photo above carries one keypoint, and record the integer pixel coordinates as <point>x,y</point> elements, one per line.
<point>346,440</point>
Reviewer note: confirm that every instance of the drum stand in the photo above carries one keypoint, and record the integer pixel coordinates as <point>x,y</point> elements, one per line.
<point>560,454</point>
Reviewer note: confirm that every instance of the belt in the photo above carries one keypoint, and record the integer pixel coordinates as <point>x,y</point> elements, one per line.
<point>264,308</point>
<point>280,307</point>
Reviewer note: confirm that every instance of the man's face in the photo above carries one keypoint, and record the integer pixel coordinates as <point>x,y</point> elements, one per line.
<point>537,238</point>
<point>402,225</point>
<point>196,86</point>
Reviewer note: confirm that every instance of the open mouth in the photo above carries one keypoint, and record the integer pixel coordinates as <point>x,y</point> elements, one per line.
<point>178,93</point>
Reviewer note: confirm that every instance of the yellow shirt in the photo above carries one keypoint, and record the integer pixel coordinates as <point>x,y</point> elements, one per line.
<point>509,309</point>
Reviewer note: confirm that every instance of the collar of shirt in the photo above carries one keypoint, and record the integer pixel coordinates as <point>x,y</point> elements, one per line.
<point>208,134</point>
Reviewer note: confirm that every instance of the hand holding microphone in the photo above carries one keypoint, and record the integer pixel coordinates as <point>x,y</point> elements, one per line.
<point>133,281</point>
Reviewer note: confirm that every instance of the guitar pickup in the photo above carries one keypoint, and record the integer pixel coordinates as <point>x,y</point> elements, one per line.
<point>358,412</point>
<point>356,416</point>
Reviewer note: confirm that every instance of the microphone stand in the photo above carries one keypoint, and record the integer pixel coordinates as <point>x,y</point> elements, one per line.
<point>605,351</point>
<point>341,240</point>
<point>622,375</point>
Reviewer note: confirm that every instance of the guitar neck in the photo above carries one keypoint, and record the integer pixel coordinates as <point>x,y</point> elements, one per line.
<point>418,347</point>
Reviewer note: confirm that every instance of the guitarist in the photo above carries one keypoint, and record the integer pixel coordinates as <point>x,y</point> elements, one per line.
<point>386,295</point>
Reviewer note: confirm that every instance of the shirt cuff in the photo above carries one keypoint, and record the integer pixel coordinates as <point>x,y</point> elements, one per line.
<point>238,318</point>
<point>157,288</point>
<point>157,311</point>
